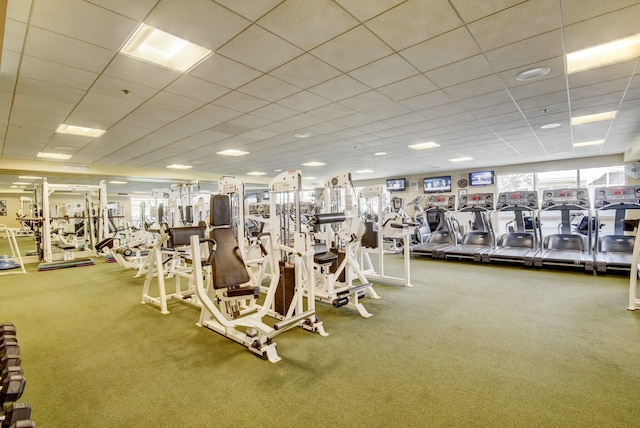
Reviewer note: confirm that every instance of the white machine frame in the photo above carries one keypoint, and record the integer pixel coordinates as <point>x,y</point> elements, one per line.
<point>371,194</point>
<point>15,251</point>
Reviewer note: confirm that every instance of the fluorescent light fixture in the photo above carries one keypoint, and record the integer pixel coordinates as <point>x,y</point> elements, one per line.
<point>551,126</point>
<point>534,73</point>
<point>605,54</point>
<point>380,153</point>
<point>364,171</point>
<point>578,120</point>
<point>309,178</point>
<point>256,173</point>
<point>277,170</point>
<point>178,166</point>
<point>314,163</point>
<point>462,159</point>
<point>60,156</point>
<point>16,187</point>
<point>166,50</point>
<point>21,183</point>
<point>302,134</point>
<point>29,177</point>
<point>588,143</point>
<point>232,152</point>
<point>423,146</point>
<point>118,182</point>
<point>79,130</point>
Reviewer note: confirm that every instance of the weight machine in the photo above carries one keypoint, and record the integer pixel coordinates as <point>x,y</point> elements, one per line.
<point>94,224</point>
<point>372,205</point>
<point>230,299</point>
<point>336,251</point>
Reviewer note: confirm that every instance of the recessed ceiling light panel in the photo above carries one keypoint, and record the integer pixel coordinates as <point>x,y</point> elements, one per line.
<point>80,130</point>
<point>232,152</point>
<point>605,54</point>
<point>61,156</point>
<point>551,126</point>
<point>462,159</point>
<point>314,163</point>
<point>178,166</point>
<point>578,120</point>
<point>380,153</point>
<point>423,146</point>
<point>256,173</point>
<point>166,50</point>
<point>588,143</point>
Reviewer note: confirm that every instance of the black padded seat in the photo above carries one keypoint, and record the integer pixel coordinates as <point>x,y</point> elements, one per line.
<point>517,239</point>
<point>180,236</point>
<point>566,242</point>
<point>227,265</point>
<point>322,254</point>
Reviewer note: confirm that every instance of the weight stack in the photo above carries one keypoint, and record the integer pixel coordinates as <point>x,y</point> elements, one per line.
<point>334,266</point>
<point>285,290</point>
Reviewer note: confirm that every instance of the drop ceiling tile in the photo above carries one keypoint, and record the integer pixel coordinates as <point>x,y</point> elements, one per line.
<point>19,10</point>
<point>240,102</point>
<point>196,88</point>
<point>483,85</point>
<point>414,21</point>
<point>486,101</point>
<point>14,32</point>
<point>539,87</point>
<point>51,105</point>
<point>260,49</point>
<point>58,74</point>
<point>574,11</point>
<point>98,26</point>
<point>471,10</point>
<point>209,24</point>
<point>405,119</point>
<point>585,34</point>
<point>250,9</point>
<point>496,109</point>
<point>326,127</point>
<point>354,120</point>
<point>543,101</point>
<point>530,51</point>
<point>408,88</point>
<point>132,9</point>
<point>46,90</point>
<point>302,121</point>
<point>305,71</point>
<point>460,71</point>
<point>269,88</point>
<point>353,49</point>
<point>30,118</point>
<point>9,67</point>
<point>441,110</point>
<point>332,111</point>
<point>370,100</point>
<point>527,19</point>
<point>304,101</point>
<point>339,88</point>
<point>384,71</point>
<point>65,50</point>
<point>224,71</point>
<point>426,101</point>
<point>445,49</point>
<point>326,19</point>
<point>175,102</point>
<point>140,72</point>
<point>364,10</point>
<point>275,112</point>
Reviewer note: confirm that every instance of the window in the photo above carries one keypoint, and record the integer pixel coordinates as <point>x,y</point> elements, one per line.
<point>515,182</point>
<point>556,179</point>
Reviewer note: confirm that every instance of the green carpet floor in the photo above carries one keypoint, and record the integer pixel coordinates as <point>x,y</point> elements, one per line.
<point>468,345</point>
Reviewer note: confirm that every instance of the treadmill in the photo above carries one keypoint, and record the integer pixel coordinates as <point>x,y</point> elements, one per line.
<point>481,237</point>
<point>567,248</point>
<point>614,252</point>
<point>438,207</point>
<point>519,243</point>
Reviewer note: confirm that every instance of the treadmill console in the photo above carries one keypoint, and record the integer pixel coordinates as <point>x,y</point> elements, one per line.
<point>559,198</point>
<point>618,195</point>
<point>476,200</point>
<point>522,199</point>
<point>442,201</point>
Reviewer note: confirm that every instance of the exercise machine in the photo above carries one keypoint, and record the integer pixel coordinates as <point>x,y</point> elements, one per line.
<point>372,252</point>
<point>517,244</point>
<point>481,236</point>
<point>613,252</point>
<point>230,304</point>
<point>438,210</point>
<point>567,248</point>
<point>337,237</point>
<point>10,262</point>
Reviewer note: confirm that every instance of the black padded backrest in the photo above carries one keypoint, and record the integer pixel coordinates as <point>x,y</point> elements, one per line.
<point>476,237</point>
<point>516,239</point>
<point>563,241</point>
<point>616,244</point>
<point>180,236</point>
<point>440,237</point>
<point>227,267</point>
<point>220,210</point>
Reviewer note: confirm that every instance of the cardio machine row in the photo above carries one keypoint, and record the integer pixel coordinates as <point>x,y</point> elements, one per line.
<point>578,243</point>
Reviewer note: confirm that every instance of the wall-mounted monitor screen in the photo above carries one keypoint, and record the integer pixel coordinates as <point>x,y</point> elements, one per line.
<point>396,184</point>
<point>437,184</point>
<point>265,195</point>
<point>481,178</point>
